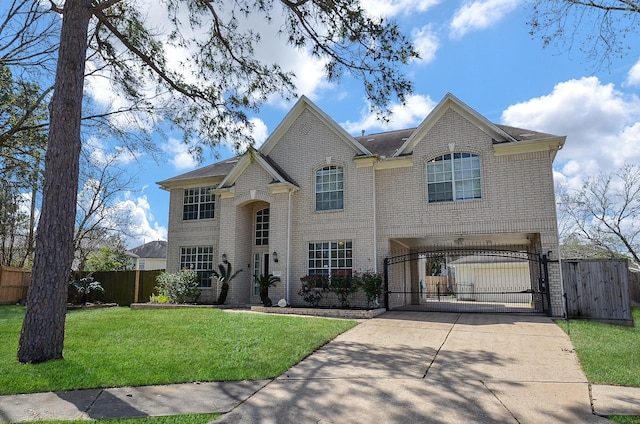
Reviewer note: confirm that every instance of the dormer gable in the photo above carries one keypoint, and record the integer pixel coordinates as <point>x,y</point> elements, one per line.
<point>449,101</point>
<point>302,105</point>
<point>280,180</point>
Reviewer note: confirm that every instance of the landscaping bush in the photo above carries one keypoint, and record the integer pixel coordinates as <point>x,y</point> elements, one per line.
<point>343,286</point>
<point>84,286</point>
<point>313,288</point>
<point>179,287</point>
<point>371,284</point>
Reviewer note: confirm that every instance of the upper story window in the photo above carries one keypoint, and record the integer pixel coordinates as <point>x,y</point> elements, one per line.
<point>329,188</point>
<point>454,176</point>
<point>262,227</point>
<point>199,203</point>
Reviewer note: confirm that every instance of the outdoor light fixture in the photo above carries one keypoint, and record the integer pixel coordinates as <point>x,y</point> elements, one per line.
<point>275,256</point>
<point>224,258</point>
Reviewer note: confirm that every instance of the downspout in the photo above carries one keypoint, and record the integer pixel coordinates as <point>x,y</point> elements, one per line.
<point>288,249</point>
<point>375,223</point>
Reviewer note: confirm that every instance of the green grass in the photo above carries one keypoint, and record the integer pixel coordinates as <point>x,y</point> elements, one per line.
<point>173,419</point>
<point>621,419</point>
<point>114,347</point>
<point>609,354</point>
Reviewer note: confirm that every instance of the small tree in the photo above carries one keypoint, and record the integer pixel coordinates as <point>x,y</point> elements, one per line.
<point>264,282</point>
<point>224,275</point>
<point>178,286</point>
<point>86,285</point>
<point>108,259</point>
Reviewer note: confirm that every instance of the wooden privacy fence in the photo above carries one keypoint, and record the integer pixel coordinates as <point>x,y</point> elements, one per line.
<point>125,287</point>
<point>634,288</point>
<point>14,283</point>
<point>597,289</point>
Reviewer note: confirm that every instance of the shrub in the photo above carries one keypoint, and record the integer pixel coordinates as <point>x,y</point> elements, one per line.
<point>178,287</point>
<point>160,298</point>
<point>371,284</point>
<point>86,285</point>
<point>313,288</point>
<point>343,286</point>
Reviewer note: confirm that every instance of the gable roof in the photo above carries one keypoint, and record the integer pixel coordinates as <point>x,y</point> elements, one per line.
<point>305,104</point>
<point>385,144</point>
<point>216,170</point>
<point>152,249</point>
<point>255,156</point>
<point>389,144</point>
<point>449,101</point>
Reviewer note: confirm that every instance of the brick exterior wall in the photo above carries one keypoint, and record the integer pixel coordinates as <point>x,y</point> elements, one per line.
<point>517,198</point>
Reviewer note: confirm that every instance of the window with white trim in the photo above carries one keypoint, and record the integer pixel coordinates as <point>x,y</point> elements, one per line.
<point>262,227</point>
<point>329,188</point>
<point>198,203</point>
<point>454,176</point>
<point>330,258</point>
<point>199,259</point>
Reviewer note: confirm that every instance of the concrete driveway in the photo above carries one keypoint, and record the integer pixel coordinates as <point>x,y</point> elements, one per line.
<point>418,367</point>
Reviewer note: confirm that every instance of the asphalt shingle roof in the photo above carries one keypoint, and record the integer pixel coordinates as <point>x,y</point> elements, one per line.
<point>153,249</point>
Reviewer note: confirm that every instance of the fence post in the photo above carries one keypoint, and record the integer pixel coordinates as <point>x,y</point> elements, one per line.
<point>545,269</point>
<point>386,283</point>
<point>136,293</point>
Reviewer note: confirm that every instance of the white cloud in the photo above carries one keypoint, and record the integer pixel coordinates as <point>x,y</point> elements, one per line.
<point>633,77</point>
<point>480,15</point>
<point>390,8</point>
<point>410,115</point>
<point>601,124</point>
<point>101,154</point>
<point>141,224</point>
<point>426,42</point>
<point>180,155</point>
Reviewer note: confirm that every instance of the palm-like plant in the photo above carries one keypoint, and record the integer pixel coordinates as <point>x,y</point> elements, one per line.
<point>224,275</point>
<point>264,282</point>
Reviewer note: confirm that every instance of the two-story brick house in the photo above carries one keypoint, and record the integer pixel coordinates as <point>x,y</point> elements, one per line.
<point>314,199</point>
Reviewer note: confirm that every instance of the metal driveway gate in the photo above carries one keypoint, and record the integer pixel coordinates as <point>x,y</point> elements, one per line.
<point>464,280</point>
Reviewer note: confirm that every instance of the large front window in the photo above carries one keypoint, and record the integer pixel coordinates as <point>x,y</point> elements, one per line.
<point>329,188</point>
<point>199,259</point>
<point>331,258</point>
<point>454,177</point>
<point>199,203</point>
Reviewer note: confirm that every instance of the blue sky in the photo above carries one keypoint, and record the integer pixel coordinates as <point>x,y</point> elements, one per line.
<point>481,52</point>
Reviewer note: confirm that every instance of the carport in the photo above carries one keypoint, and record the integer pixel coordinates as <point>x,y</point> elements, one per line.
<point>465,276</point>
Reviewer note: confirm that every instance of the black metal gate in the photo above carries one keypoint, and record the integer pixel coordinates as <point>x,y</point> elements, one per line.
<point>465,280</point>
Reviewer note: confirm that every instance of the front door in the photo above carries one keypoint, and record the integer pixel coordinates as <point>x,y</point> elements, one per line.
<point>260,267</point>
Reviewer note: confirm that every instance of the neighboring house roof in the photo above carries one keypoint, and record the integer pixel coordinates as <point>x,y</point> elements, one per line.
<point>153,249</point>
<point>390,144</point>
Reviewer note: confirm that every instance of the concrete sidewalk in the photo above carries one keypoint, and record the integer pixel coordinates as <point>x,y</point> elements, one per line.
<point>402,367</point>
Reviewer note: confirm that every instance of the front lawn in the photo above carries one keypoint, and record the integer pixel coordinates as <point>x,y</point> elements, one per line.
<point>114,347</point>
<point>609,354</point>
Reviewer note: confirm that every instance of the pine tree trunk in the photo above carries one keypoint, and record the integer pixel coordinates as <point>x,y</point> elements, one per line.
<point>42,336</point>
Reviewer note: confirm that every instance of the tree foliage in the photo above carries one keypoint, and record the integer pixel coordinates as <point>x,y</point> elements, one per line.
<point>108,258</point>
<point>207,95</point>
<point>605,212</point>
<point>599,28</point>
<point>22,144</point>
